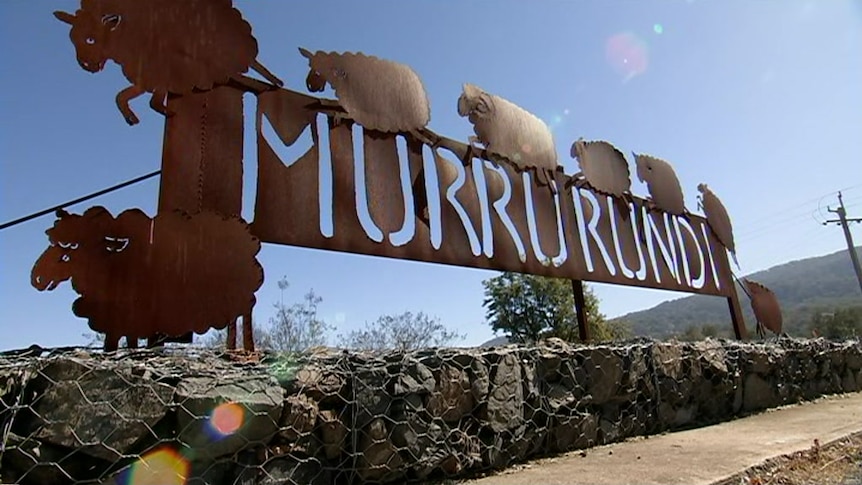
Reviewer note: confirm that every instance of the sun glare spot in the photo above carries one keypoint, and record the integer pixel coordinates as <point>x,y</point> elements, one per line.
<point>226,418</point>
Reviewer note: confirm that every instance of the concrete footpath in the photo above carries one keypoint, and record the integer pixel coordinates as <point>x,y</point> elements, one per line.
<point>699,456</point>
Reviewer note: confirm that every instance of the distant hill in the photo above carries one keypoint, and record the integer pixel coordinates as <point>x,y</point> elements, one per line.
<point>495,342</point>
<point>804,288</point>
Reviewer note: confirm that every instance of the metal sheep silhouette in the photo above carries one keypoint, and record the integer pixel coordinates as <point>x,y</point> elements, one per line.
<point>139,277</point>
<point>164,46</point>
<point>193,269</point>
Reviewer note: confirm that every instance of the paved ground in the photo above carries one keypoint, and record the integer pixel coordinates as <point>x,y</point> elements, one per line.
<point>700,456</point>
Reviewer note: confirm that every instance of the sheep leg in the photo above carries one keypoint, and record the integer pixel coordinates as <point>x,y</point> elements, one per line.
<point>231,336</point>
<point>123,98</point>
<point>131,343</point>
<point>266,74</point>
<point>112,342</point>
<point>247,333</point>
<point>420,136</point>
<point>159,103</point>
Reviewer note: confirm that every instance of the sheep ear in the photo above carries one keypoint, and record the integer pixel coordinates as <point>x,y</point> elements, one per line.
<point>463,105</point>
<point>112,21</point>
<point>65,17</point>
<point>306,53</point>
<point>61,213</point>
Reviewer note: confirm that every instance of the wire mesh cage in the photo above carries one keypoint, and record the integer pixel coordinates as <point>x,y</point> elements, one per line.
<point>199,416</point>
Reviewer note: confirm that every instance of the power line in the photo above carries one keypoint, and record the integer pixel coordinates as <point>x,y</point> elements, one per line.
<point>79,200</point>
<point>771,216</point>
<point>843,220</point>
<point>788,215</point>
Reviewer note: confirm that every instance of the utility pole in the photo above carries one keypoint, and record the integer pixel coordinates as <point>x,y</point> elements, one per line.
<point>843,220</point>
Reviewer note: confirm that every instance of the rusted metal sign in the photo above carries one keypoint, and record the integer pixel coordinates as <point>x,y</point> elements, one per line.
<point>479,213</point>
<point>372,180</point>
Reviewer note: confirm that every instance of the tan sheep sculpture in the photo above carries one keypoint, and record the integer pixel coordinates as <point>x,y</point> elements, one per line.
<point>509,131</point>
<point>140,277</point>
<point>164,46</point>
<point>379,94</point>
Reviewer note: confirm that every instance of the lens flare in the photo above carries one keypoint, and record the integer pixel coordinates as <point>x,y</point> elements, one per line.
<point>657,28</point>
<point>159,467</point>
<point>627,54</point>
<point>226,418</point>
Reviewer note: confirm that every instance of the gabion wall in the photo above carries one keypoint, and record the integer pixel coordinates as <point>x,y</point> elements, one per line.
<point>179,415</point>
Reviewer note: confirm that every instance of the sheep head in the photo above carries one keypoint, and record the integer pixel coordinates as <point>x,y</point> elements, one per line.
<point>315,81</point>
<point>577,151</point>
<point>91,34</point>
<point>475,103</point>
<point>644,167</point>
<point>72,238</point>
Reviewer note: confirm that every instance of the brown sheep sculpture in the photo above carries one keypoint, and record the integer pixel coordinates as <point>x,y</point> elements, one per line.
<point>663,184</point>
<point>164,46</point>
<point>379,94</point>
<point>140,277</point>
<point>717,218</point>
<point>509,130</point>
<point>766,308</point>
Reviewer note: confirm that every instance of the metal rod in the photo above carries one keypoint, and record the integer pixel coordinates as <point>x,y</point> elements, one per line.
<point>78,200</point>
<point>581,310</point>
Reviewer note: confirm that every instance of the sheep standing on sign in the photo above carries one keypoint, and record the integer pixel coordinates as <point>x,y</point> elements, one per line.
<point>764,304</point>
<point>378,94</point>
<point>717,218</point>
<point>164,46</point>
<point>508,130</point>
<point>139,277</point>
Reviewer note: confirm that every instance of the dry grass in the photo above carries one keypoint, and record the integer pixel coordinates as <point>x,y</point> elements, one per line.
<point>838,463</point>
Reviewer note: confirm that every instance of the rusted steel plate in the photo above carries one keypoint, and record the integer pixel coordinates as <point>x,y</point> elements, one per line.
<point>663,185</point>
<point>198,45</point>
<point>140,276</point>
<point>481,214</point>
<point>379,94</point>
<point>718,218</point>
<point>766,308</point>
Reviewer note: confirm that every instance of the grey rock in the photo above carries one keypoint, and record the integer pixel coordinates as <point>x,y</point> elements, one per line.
<point>667,360</point>
<point>298,417</point>
<point>372,399</point>
<point>559,397</point>
<point>322,384</point>
<point>758,394</point>
<point>758,361</point>
<point>287,470</point>
<point>333,432</point>
<point>415,379</point>
<point>606,371</point>
<point>576,431</point>
<point>379,460</point>
<point>504,409</point>
<point>713,357</point>
<point>853,356</point>
<point>101,412</point>
<point>29,461</point>
<point>453,397</point>
<point>481,382</point>
<point>260,400</point>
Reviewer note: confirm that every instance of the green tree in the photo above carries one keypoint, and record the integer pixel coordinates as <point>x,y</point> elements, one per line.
<point>840,323</point>
<point>700,332</point>
<point>405,331</point>
<point>297,327</point>
<point>527,308</point>
<point>293,328</point>
<point>217,339</point>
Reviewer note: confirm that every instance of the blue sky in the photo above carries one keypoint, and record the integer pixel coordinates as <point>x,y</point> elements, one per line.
<point>761,100</point>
